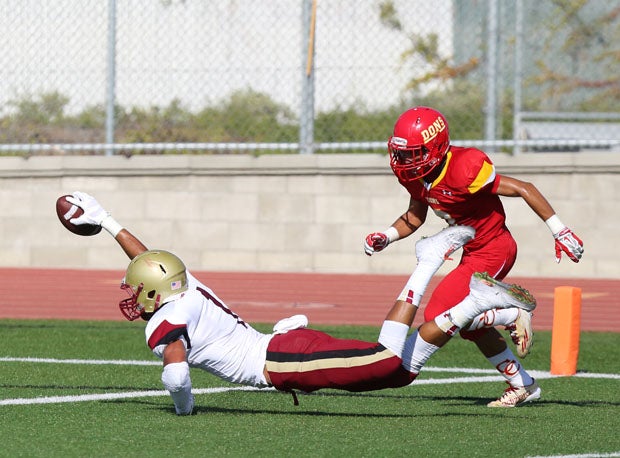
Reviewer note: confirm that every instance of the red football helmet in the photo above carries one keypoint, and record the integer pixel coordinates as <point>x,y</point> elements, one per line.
<point>420,142</point>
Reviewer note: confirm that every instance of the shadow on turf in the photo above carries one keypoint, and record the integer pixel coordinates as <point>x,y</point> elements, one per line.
<point>209,410</point>
<point>443,400</point>
<point>462,400</point>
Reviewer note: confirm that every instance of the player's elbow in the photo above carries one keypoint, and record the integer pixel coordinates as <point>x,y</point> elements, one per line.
<point>517,188</point>
<point>175,377</point>
<point>527,189</point>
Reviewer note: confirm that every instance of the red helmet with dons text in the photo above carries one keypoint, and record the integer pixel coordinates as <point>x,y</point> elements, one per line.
<point>419,143</point>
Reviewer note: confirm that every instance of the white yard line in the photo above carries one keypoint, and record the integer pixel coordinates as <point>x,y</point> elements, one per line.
<point>120,362</point>
<point>586,455</point>
<point>152,393</point>
<point>111,396</point>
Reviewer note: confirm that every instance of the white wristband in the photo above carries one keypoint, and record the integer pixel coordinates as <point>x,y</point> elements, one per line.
<point>392,234</point>
<point>110,225</point>
<point>554,224</point>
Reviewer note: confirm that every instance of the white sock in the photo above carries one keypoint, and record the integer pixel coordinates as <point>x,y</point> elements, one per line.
<point>444,322</point>
<point>416,353</point>
<point>418,281</point>
<point>465,311</point>
<point>494,317</point>
<point>510,368</point>
<point>393,335</point>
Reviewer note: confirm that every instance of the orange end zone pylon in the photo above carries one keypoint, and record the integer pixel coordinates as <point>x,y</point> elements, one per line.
<point>566,329</point>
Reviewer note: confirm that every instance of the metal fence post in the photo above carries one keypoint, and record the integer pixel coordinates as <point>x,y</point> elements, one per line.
<point>111,78</point>
<point>306,116</point>
<point>491,104</point>
<point>518,77</point>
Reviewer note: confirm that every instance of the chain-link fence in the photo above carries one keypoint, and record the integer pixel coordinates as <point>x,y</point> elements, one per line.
<point>130,76</point>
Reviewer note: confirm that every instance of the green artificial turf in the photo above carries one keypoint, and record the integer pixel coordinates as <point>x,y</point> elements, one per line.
<point>576,415</point>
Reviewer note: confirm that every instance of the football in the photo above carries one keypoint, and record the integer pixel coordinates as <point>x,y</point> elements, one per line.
<point>67,211</point>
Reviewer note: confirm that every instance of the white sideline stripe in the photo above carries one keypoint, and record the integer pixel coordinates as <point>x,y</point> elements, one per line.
<point>533,373</point>
<point>112,396</point>
<point>465,370</point>
<point>143,394</point>
<point>538,375</point>
<point>586,455</point>
<point>120,362</point>
<point>153,393</point>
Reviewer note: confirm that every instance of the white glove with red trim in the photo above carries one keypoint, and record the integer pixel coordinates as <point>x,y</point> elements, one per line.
<point>377,241</point>
<point>566,241</point>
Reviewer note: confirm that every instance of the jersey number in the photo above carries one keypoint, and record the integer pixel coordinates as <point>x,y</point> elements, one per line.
<point>446,216</point>
<point>222,306</point>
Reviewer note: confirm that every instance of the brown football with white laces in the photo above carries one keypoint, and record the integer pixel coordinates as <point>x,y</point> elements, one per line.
<point>67,211</point>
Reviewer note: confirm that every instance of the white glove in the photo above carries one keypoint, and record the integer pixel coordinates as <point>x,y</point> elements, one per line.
<point>94,213</point>
<point>566,241</point>
<point>289,324</point>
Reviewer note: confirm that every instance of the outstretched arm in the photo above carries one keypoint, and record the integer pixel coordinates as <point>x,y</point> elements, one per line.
<point>94,213</point>
<point>130,243</point>
<point>511,187</point>
<point>565,240</point>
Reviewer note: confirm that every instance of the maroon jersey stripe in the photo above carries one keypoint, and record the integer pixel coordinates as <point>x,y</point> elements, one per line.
<point>166,333</point>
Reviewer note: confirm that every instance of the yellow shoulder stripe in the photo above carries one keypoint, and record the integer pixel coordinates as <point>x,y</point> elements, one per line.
<point>444,170</point>
<point>485,176</point>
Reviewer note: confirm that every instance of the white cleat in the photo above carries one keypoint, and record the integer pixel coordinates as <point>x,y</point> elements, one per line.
<point>437,248</point>
<point>490,293</point>
<point>515,396</point>
<point>521,333</point>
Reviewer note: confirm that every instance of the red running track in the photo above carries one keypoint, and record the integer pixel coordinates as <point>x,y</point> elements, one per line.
<point>267,297</point>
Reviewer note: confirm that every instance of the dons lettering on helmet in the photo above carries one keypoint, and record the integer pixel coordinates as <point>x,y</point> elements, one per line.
<point>435,128</point>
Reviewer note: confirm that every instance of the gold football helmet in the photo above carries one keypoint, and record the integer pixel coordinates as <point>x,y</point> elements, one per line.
<point>151,278</point>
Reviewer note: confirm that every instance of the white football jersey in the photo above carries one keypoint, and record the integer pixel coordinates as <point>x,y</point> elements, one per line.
<point>215,338</point>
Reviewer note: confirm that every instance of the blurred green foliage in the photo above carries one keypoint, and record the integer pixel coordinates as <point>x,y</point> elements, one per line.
<point>246,116</point>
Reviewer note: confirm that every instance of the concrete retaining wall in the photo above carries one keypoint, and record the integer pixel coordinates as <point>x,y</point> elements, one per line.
<point>289,213</point>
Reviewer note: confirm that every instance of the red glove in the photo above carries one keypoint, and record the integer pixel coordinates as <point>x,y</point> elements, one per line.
<point>374,242</point>
<point>569,243</point>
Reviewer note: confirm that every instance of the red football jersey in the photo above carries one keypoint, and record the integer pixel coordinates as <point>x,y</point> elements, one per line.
<point>464,194</point>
